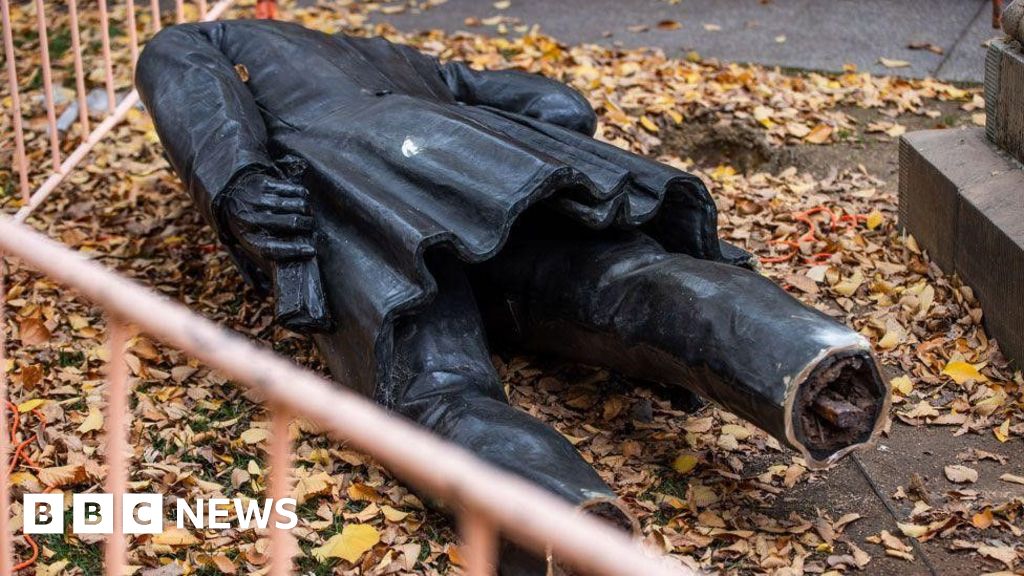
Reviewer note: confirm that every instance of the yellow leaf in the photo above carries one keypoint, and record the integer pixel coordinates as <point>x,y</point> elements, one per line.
<point>363,492</point>
<point>896,130</point>
<point>392,514</point>
<point>875,219</point>
<point>55,569</point>
<point>255,435</point>
<point>354,540</point>
<point>30,405</point>
<point>891,340</point>
<point>902,384</point>
<point>77,321</point>
<point>722,171</point>
<point>850,285</point>
<point>308,486</point>
<point>736,431</point>
<point>94,421</point>
<point>174,536</point>
<point>961,372</point>
<point>685,463</point>
<point>1002,433</point>
<point>912,530</point>
<point>647,124</point>
<point>891,63</point>
<point>819,134</point>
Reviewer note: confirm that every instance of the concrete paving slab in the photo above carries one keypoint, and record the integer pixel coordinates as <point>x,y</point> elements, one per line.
<point>805,34</point>
<point>966,61</point>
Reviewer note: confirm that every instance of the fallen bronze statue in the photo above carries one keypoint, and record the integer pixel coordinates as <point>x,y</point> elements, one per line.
<point>401,208</point>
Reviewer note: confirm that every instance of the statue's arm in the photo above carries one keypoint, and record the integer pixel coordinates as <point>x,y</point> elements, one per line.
<point>523,93</point>
<point>205,115</point>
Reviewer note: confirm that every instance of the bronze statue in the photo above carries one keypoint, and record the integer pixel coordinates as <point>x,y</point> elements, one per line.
<point>402,208</point>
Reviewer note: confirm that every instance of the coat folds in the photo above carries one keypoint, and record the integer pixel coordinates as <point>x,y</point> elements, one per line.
<point>401,155</point>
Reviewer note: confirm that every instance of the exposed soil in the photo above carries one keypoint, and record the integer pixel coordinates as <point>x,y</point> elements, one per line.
<point>709,143</point>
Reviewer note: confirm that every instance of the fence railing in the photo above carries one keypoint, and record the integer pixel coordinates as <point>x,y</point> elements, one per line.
<point>486,501</point>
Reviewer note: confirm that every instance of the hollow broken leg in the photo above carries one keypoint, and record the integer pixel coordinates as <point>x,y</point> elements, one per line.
<point>619,300</point>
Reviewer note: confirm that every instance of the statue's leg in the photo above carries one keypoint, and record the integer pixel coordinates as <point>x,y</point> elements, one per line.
<point>618,299</point>
<point>446,382</point>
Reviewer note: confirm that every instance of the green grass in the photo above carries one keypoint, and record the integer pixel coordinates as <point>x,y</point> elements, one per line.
<point>71,358</point>
<point>89,559</point>
<point>60,43</point>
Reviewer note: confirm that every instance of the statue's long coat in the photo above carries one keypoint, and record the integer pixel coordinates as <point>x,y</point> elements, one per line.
<point>401,153</point>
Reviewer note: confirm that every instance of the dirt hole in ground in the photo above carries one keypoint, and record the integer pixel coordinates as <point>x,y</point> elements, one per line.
<point>711,143</point>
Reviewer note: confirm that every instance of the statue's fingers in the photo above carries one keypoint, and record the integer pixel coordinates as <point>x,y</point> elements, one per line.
<point>283,223</point>
<point>286,189</point>
<point>274,248</point>
<point>281,205</point>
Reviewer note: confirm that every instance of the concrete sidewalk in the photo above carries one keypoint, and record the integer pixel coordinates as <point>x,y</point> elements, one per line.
<point>806,34</point>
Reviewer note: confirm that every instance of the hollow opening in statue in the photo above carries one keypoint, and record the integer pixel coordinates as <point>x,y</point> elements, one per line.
<point>838,404</point>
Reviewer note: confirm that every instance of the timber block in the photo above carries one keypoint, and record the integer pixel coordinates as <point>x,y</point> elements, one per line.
<point>963,200</point>
<point>1004,96</point>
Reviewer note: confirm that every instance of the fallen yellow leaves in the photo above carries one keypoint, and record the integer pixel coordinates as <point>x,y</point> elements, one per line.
<point>350,545</point>
<point>893,546</point>
<point>819,134</point>
<point>30,405</point>
<point>93,421</point>
<point>309,485</point>
<point>174,536</point>
<point>255,435</point>
<point>648,125</point>
<point>902,384</point>
<point>685,463</point>
<point>961,372</point>
<point>1002,432</point>
<point>893,63</point>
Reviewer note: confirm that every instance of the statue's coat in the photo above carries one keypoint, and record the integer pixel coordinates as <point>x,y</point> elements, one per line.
<point>400,153</point>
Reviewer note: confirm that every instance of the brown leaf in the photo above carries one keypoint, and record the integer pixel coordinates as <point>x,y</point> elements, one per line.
<point>60,476</point>
<point>33,332</point>
<point>960,474</point>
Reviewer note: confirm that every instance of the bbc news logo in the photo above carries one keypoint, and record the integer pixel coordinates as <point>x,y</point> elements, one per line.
<point>144,513</point>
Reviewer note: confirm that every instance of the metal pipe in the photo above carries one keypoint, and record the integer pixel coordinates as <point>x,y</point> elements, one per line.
<point>118,417</point>
<point>76,47</point>
<point>154,10</point>
<point>76,156</point>
<point>282,545</point>
<point>480,540</point>
<point>20,159</point>
<point>44,63</point>
<point>133,33</point>
<point>6,559</point>
<point>524,512</point>
<point>108,67</point>
<point>33,200</point>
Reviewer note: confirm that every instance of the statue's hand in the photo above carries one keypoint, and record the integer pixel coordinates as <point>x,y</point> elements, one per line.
<point>269,218</point>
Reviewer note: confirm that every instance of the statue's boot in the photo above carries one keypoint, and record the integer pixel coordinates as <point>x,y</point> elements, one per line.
<point>619,300</point>
<point>444,380</point>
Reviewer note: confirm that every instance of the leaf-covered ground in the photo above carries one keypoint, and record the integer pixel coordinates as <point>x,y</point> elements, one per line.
<point>802,168</point>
